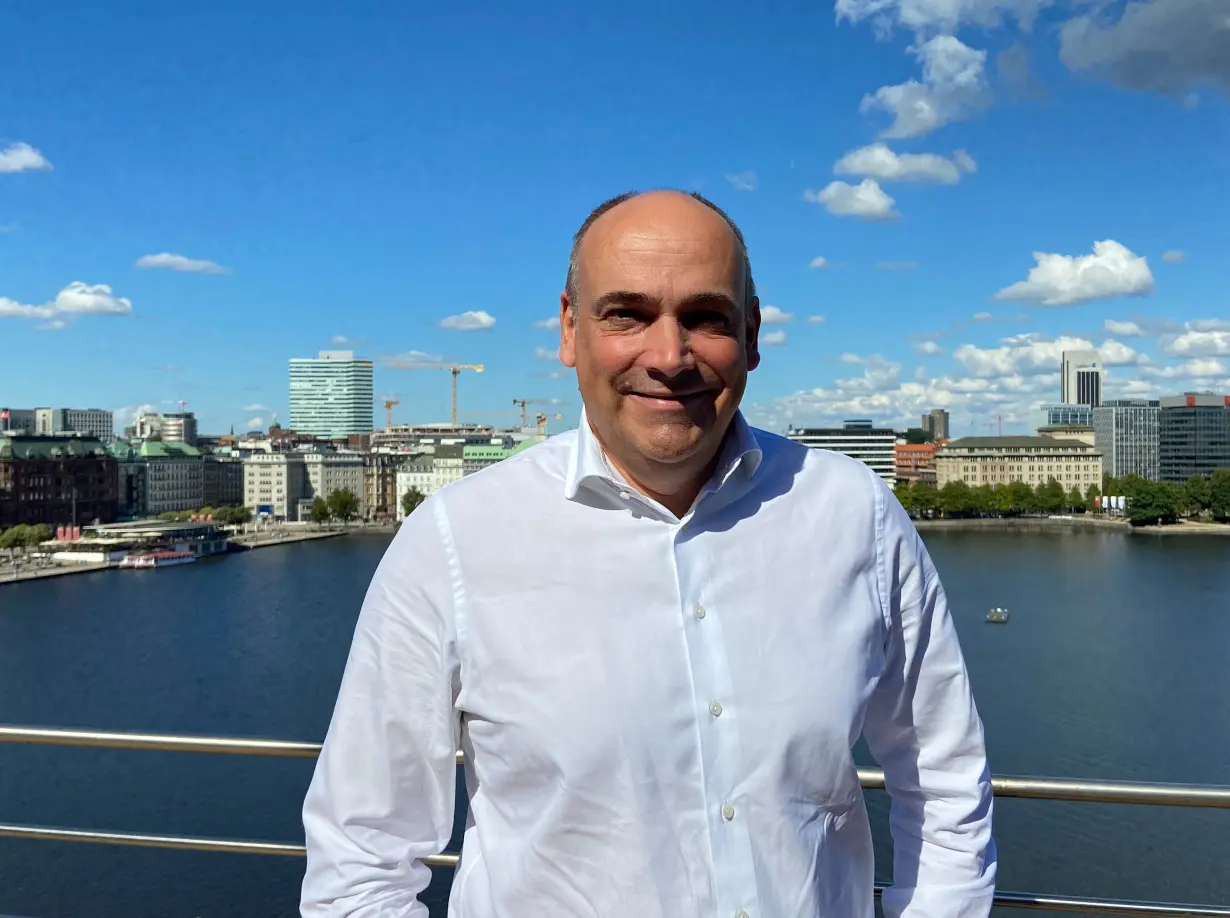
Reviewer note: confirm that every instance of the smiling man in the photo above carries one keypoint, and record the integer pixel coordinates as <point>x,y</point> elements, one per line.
<point>657,639</point>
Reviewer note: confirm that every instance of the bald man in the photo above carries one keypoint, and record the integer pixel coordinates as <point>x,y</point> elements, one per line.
<point>656,639</point>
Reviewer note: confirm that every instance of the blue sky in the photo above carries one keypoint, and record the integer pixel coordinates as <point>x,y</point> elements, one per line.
<point>189,197</point>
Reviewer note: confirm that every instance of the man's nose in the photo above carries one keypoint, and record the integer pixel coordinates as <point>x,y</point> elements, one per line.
<point>667,348</point>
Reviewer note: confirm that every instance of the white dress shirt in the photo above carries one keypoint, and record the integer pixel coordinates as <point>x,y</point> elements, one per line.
<point>657,714</point>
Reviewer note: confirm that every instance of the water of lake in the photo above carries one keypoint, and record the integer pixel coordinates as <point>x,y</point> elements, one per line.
<point>1114,665</point>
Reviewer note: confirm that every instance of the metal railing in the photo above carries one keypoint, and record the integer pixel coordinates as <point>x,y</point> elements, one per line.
<point>1123,792</point>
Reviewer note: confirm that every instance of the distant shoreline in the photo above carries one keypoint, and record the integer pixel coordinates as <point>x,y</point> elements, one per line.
<point>1042,523</point>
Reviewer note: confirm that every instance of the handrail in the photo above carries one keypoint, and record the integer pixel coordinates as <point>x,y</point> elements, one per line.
<point>1129,792</point>
<point>234,846</point>
<point>870,778</point>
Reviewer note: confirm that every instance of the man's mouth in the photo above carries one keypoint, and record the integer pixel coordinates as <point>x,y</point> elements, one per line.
<point>674,398</point>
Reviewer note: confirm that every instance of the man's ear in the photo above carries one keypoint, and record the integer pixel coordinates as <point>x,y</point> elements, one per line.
<point>567,331</point>
<point>752,333</point>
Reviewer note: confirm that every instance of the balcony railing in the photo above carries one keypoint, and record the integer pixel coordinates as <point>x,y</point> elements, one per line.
<point>871,779</point>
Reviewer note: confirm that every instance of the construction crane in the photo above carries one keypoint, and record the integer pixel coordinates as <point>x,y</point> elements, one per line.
<point>531,401</point>
<point>454,368</point>
<point>389,405</point>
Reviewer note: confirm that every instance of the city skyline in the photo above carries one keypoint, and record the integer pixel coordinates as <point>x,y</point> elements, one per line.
<point>938,201</point>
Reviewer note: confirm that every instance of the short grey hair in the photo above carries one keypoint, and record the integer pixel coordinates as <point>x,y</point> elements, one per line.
<point>570,282</point>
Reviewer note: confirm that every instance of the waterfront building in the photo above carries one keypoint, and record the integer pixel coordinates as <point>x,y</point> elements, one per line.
<point>223,481</point>
<point>477,458</point>
<point>915,462</point>
<point>1193,435</point>
<point>1033,460</point>
<point>447,465</point>
<point>425,437</point>
<point>17,421</point>
<point>380,483</point>
<point>1051,416</point>
<point>56,480</point>
<point>872,446</point>
<point>329,472</point>
<point>413,475</point>
<point>331,395</point>
<point>1126,434</point>
<point>935,422</point>
<point>273,484</point>
<point>174,476</point>
<point>180,427</point>
<point>1080,378</point>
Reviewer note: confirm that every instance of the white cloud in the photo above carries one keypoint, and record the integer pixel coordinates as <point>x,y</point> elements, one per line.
<point>1196,343</point>
<point>1033,353</point>
<point>546,353</point>
<point>552,322</point>
<point>929,348</point>
<point>879,162</point>
<point>743,181</point>
<point>982,317</point>
<point>75,299</point>
<point>866,200</point>
<point>818,262</point>
<point>771,315</point>
<point>953,88</point>
<point>406,358</point>
<point>91,299</point>
<point>16,310</point>
<point>474,320</point>
<point>1209,324</point>
<point>257,407</point>
<point>816,320</point>
<point>896,265</point>
<point>53,325</point>
<point>21,157</point>
<point>1065,280</point>
<point>1164,46</point>
<point>1123,329</point>
<point>256,423</point>
<point>1174,256</point>
<point>773,338</point>
<point>182,263</point>
<point>939,15</point>
<point>1195,368</point>
<point>340,340</point>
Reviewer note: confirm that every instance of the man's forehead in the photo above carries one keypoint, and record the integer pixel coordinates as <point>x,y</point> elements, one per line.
<point>669,232</point>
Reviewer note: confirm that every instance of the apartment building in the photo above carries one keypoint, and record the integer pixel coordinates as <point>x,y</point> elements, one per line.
<point>274,483</point>
<point>1033,460</point>
<point>857,439</point>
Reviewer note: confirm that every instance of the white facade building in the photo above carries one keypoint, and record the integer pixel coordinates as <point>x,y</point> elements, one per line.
<point>856,439</point>
<point>273,484</point>
<point>180,427</point>
<point>1080,378</point>
<point>414,475</point>
<point>88,422</point>
<point>331,395</point>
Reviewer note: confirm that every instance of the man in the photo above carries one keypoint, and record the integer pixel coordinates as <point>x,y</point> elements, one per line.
<point>656,639</point>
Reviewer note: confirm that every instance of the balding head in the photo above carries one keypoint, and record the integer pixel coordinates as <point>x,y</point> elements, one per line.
<point>574,257</point>
<point>660,319</point>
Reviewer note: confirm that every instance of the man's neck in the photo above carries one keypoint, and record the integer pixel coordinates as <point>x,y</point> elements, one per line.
<point>674,486</point>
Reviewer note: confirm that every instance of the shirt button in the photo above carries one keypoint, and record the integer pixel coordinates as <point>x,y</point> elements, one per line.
<point>699,611</point>
<point>625,495</point>
<point>742,913</point>
<point>728,812</point>
<point>715,708</point>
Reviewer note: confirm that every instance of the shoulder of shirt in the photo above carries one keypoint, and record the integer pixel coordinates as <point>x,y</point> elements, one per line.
<point>544,464</point>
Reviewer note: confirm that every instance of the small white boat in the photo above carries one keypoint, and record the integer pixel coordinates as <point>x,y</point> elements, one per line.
<point>997,616</point>
<point>154,559</point>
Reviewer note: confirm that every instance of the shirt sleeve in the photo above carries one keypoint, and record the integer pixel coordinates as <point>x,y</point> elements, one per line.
<point>924,730</point>
<point>382,794</point>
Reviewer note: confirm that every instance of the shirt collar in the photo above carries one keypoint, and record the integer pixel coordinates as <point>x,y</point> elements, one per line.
<point>589,463</point>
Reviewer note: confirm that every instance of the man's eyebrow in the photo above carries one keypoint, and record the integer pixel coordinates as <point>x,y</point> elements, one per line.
<point>624,298</point>
<point>632,299</point>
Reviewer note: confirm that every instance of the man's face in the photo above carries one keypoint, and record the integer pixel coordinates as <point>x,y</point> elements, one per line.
<point>660,337</point>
